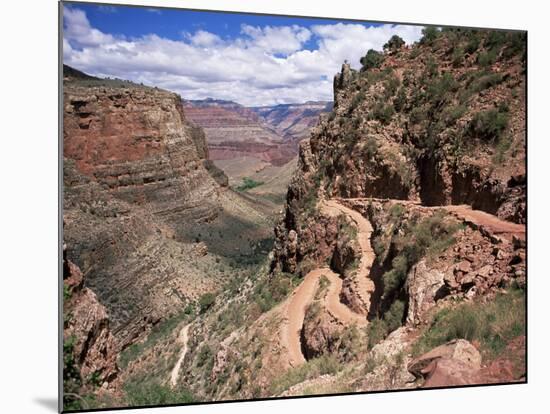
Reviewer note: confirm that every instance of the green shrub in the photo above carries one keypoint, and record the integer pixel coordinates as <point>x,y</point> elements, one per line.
<point>382,113</point>
<point>400,100</point>
<point>453,113</point>
<point>503,145</point>
<point>357,99</point>
<point>487,58</point>
<point>458,56</point>
<point>248,183</point>
<point>206,301</point>
<point>489,125</point>
<point>418,115</point>
<point>390,86</point>
<point>441,88</point>
<point>495,39</point>
<point>517,42</point>
<point>429,34</point>
<point>395,43</point>
<point>488,81</point>
<point>472,45</point>
<point>204,356</point>
<point>71,376</point>
<point>372,59</point>
<point>371,147</point>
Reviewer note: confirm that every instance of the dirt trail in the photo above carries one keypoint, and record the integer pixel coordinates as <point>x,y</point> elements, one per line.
<point>484,221</point>
<point>492,224</point>
<point>361,282</point>
<point>294,316</point>
<point>302,296</point>
<point>182,338</point>
<point>336,308</point>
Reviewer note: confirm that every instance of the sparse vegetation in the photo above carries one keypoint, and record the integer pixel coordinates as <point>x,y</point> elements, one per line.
<point>248,184</point>
<point>392,319</point>
<point>427,237</point>
<point>492,324</point>
<point>326,364</point>
<point>145,394</point>
<point>273,290</point>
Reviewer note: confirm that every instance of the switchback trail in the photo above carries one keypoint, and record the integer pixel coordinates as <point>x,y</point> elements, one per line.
<point>182,338</point>
<point>302,296</point>
<point>362,285</point>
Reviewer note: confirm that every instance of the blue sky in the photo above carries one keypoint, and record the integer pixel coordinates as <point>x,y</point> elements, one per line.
<point>251,59</point>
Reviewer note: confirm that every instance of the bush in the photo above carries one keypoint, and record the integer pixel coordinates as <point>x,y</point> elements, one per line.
<point>473,41</point>
<point>493,324</point>
<point>400,100</point>
<point>372,59</point>
<point>395,43</point>
<point>390,86</point>
<point>440,89</point>
<point>429,34</point>
<point>248,183</point>
<point>382,113</point>
<point>458,56</point>
<point>489,125</point>
<point>205,356</point>
<point>487,58</point>
<point>357,99</point>
<point>487,81</point>
<point>206,301</point>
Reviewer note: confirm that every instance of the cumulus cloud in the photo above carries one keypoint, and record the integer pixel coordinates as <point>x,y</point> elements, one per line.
<point>262,66</point>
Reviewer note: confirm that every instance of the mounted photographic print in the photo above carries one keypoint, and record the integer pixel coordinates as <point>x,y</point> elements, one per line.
<point>261,206</point>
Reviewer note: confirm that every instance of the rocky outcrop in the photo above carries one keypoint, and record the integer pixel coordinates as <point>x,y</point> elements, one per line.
<point>86,334</point>
<point>135,142</point>
<point>422,286</point>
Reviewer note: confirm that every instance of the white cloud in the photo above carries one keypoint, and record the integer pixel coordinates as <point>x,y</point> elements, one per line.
<point>77,30</point>
<point>263,66</point>
<point>203,38</point>
<point>282,39</point>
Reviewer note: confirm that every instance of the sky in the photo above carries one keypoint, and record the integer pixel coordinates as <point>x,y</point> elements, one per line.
<point>250,59</point>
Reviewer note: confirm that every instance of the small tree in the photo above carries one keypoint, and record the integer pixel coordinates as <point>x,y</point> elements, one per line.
<point>429,34</point>
<point>206,301</point>
<point>372,59</point>
<point>395,43</point>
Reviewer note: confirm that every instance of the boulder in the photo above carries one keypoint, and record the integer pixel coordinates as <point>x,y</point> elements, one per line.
<point>458,350</point>
<point>422,286</point>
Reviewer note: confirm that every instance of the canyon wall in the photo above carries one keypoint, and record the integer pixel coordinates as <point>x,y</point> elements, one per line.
<point>137,182</point>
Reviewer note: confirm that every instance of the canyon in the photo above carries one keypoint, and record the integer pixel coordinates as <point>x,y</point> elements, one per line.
<point>378,244</point>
